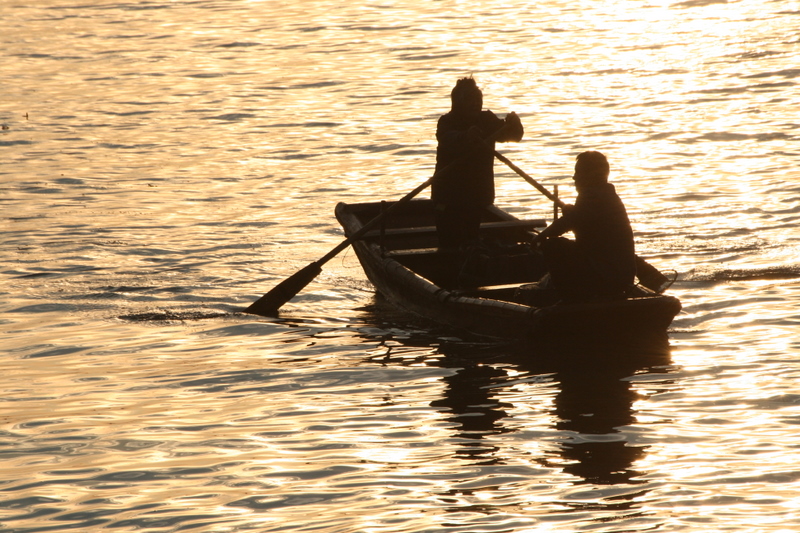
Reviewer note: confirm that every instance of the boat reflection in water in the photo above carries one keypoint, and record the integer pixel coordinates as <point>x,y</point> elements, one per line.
<point>593,402</point>
<point>586,393</point>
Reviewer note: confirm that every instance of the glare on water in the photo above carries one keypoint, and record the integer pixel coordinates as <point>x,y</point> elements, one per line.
<point>166,163</point>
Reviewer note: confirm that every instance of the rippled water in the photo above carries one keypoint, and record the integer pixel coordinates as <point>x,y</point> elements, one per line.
<point>166,163</point>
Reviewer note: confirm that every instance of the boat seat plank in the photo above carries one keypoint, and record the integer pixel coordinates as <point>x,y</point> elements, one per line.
<point>490,288</point>
<point>485,226</point>
<point>419,251</point>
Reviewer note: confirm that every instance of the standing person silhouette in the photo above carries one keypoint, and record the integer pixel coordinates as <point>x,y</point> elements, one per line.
<point>466,137</point>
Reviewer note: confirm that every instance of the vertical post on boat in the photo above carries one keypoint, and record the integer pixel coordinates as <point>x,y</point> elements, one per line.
<point>383,227</point>
<point>555,202</point>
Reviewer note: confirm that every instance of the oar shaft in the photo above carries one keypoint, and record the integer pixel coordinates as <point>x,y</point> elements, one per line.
<point>375,221</point>
<point>269,304</point>
<point>539,187</point>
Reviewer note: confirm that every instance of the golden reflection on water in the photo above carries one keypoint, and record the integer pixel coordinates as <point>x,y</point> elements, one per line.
<point>179,159</point>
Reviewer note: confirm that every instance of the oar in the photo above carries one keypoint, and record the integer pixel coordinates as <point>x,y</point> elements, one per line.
<point>648,275</point>
<point>269,304</point>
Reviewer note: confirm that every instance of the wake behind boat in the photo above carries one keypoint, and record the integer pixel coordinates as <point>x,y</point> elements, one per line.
<point>494,289</point>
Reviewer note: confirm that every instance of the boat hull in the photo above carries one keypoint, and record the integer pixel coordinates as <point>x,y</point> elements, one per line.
<point>402,262</point>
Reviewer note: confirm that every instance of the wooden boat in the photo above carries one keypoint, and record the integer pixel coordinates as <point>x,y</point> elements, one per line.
<point>490,289</point>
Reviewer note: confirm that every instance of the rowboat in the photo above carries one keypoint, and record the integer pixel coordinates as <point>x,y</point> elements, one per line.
<point>497,288</point>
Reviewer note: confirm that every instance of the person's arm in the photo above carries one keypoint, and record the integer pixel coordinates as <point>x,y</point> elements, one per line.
<point>559,226</point>
<point>512,130</point>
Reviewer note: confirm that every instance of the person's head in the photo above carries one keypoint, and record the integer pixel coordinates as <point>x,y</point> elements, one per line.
<point>466,97</point>
<point>591,168</point>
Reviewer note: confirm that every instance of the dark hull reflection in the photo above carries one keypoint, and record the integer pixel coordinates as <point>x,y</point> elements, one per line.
<point>469,402</point>
<point>593,402</point>
<point>594,396</point>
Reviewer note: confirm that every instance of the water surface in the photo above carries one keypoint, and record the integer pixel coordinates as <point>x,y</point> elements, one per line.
<point>166,163</point>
